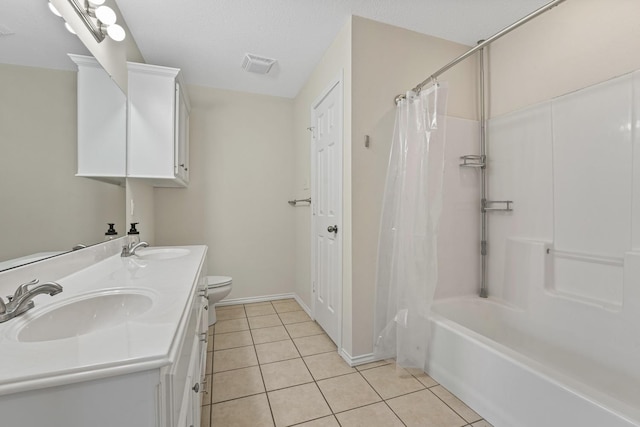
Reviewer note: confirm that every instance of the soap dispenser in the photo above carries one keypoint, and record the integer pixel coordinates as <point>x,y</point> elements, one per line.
<point>111,232</point>
<point>134,234</point>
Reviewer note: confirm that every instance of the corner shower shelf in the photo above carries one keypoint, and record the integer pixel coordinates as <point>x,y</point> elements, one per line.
<point>473,161</point>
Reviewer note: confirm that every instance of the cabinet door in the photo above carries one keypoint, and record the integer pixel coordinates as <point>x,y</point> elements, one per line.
<point>150,148</point>
<point>181,158</point>
<point>102,123</point>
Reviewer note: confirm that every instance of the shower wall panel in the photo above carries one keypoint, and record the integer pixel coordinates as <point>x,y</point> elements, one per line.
<point>571,169</point>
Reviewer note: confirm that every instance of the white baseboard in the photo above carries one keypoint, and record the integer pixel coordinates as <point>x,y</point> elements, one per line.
<point>264,298</point>
<point>304,306</point>
<point>357,360</point>
<point>351,360</point>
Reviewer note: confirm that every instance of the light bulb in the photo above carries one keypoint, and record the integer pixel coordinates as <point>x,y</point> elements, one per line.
<point>53,10</point>
<point>116,32</point>
<point>68,27</point>
<point>96,2</point>
<point>106,15</point>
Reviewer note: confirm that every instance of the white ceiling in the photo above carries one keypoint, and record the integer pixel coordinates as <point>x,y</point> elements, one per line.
<point>207,39</point>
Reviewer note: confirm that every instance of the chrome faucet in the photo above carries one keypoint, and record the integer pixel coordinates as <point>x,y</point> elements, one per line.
<point>131,249</point>
<point>21,300</point>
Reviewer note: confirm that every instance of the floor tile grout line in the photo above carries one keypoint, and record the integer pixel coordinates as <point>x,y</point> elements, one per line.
<point>314,380</point>
<point>238,398</point>
<point>308,370</point>
<point>264,385</point>
<point>231,348</point>
<point>290,386</point>
<point>234,369</point>
<point>383,399</point>
<point>450,407</point>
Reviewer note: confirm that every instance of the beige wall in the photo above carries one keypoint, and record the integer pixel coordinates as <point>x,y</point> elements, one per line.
<point>387,61</point>
<point>242,162</point>
<point>140,208</point>
<point>335,62</point>
<point>378,62</point>
<point>573,46</point>
<point>44,206</point>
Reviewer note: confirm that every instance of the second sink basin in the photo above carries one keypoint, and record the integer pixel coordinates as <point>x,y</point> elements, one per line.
<point>83,315</point>
<point>161,253</point>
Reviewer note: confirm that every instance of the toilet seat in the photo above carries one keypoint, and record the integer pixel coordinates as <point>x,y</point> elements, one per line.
<point>218,281</point>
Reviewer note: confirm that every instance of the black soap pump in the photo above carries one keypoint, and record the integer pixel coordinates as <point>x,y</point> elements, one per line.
<point>111,232</point>
<point>134,234</point>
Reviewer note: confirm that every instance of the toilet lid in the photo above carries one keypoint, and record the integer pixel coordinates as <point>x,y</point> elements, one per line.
<point>216,281</point>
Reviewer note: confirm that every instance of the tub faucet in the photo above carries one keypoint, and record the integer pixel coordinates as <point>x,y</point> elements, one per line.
<point>129,250</point>
<point>21,300</point>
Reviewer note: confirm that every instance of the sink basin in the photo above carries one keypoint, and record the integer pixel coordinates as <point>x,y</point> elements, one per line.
<point>84,315</point>
<point>161,253</point>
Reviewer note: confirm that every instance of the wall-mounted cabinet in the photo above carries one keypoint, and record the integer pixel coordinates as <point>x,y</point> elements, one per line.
<point>158,126</point>
<point>142,135</point>
<point>102,123</point>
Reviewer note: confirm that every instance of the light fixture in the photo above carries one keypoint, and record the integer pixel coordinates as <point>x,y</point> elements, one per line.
<point>116,32</point>
<point>106,15</point>
<point>100,20</point>
<point>53,10</point>
<point>68,27</point>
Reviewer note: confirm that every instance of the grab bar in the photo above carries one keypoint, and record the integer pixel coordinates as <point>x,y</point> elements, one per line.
<point>295,202</point>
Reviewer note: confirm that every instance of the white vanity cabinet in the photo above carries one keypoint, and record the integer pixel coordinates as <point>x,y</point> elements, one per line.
<point>158,125</point>
<point>148,371</point>
<point>102,123</point>
<point>182,383</point>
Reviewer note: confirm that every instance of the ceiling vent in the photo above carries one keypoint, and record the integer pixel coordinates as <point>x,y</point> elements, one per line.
<point>257,64</point>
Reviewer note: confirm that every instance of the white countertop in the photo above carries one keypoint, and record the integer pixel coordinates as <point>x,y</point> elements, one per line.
<point>145,342</point>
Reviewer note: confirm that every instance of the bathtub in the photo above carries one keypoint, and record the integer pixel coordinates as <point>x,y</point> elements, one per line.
<point>522,370</point>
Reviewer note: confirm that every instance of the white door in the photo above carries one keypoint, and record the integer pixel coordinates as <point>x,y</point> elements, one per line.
<point>326,121</point>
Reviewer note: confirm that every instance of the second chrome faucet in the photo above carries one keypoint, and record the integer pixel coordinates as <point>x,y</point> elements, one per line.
<point>131,249</point>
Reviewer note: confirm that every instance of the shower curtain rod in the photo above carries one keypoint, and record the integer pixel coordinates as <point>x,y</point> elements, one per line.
<point>481,45</point>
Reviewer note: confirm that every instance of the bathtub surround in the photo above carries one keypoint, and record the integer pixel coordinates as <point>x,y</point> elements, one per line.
<point>561,328</point>
<point>562,269</point>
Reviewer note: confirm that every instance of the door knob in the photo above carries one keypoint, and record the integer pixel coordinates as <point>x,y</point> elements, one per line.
<point>332,229</point>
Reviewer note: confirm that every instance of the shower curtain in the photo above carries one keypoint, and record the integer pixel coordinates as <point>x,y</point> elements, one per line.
<point>407,271</point>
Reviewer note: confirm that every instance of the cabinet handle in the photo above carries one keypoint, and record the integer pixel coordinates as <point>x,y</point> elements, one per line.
<point>204,386</point>
<point>203,337</point>
<point>196,387</point>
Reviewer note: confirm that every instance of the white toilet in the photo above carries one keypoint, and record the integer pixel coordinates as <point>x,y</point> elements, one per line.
<point>219,287</point>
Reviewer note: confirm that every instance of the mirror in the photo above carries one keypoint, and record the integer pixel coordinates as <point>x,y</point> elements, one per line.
<point>45,209</point>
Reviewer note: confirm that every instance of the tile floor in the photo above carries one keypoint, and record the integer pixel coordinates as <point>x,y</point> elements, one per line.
<point>270,365</point>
